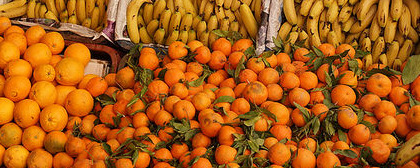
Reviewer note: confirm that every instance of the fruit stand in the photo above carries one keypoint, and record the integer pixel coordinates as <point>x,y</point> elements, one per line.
<point>209,83</point>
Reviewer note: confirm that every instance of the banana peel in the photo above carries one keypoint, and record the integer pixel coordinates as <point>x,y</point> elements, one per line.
<point>408,150</point>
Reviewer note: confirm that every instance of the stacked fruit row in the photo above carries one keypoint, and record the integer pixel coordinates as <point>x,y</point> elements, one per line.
<point>166,21</point>
<point>388,29</point>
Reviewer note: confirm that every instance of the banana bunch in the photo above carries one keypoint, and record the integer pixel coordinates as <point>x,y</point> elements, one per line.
<point>166,21</point>
<point>388,29</point>
<point>13,9</point>
<point>88,13</point>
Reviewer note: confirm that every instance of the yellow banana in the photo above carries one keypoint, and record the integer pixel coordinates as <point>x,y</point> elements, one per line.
<point>327,3</point>
<point>383,10</point>
<point>235,5</point>
<point>346,26</point>
<point>208,10</point>
<point>202,6</point>
<point>148,13</point>
<point>399,37</point>
<point>375,29</point>
<point>220,13</point>
<point>397,64</point>
<point>284,30</point>
<point>230,14</point>
<point>158,8</point>
<point>361,25</point>
<point>368,61</point>
<point>152,27</point>
<point>192,35</point>
<point>212,38</point>
<point>413,35</point>
<point>352,2</point>
<point>383,59</point>
<point>366,44</point>
<point>301,20</point>
<point>234,26</point>
<point>132,26</point>
<point>305,7</point>
<point>389,30</point>
<point>332,12</point>
<point>179,4</point>
<point>258,10</point>
<point>37,7</point>
<point>392,52</point>
<point>316,9</point>
<point>396,9</point>
<point>87,22</point>
<point>224,24</point>
<point>351,38</point>
<point>50,15</point>
<point>212,24</point>
<point>227,4</point>
<point>324,28</point>
<point>342,2</point>
<point>323,16</point>
<point>90,5</point>
<point>333,39</point>
<point>364,7</point>
<point>189,7</point>
<point>201,27</point>
<point>64,15</point>
<point>414,7</point>
<point>336,27</point>
<point>238,16</point>
<point>140,21</point>
<point>243,31</point>
<point>404,22</point>
<point>172,37</point>
<point>80,10</point>
<point>165,18</point>
<point>247,2</point>
<point>204,38</point>
<point>12,5</point>
<point>196,20</point>
<point>102,11</point>
<point>293,36</point>
<point>183,36</point>
<point>303,36</point>
<point>219,2</point>
<point>51,7</point>
<point>175,21</point>
<point>249,21</point>
<point>289,11</point>
<point>378,48</point>
<point>159,36</point>
<point>30,12</point>
<point>95,18</point>
<point>14,12</point>
<point>60,5</point>
<point>405,50</point>
<point>71,7</point>
<point>345,13</point>
<point>144,36</point>
<point>170,5</point>
<point>186,22</point>
<point>73,19</point>
<point>312,28</point>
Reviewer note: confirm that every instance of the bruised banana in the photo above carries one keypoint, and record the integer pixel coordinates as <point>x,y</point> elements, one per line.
<point>175,21</point>
<point>14,12</point>
<point>148,13</point>
<point>364,7</point>
<point>204,38</point>
<point>390,30</point>
<point>397,64</point>
<point>414,6</point>
<point>378,48</point>
<point>392,52</point>
<point>332,13</point>
<point>71,7</point>
<point>95,18</point>
<point>383,59</point>
<point>405,21</point>
<point>37,7</point>
<point>383,10</point>
<point>361,25</point>
<point>366,44</point>
<point>192,35</point>
<point>305,7</point>
<point>375,29</point>
<point>405,50</point>
<point>408,150</point>
<point>165,18</point>
<point>316,9</point>
<point>183,36</point>
<point>396,9</point>
<point>50,15</point>
<point>186,21</point>
<point>90,5</point>
<point>367,60</point>
<point>345,14</point>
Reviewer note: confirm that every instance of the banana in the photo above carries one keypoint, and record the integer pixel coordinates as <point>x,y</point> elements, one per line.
<point>352,2</point>
<point>355,8</point>
<point>90,5</point>
<point>102,10</point>
<point>132,26</point>
<point>80,10</point>
<point>364,8</point>
<point>293,36</point>
<point>342,2</point>
<point>30,12</point>
<point>165,18</point>
<point>144,36</point>
<point>202,6</point>
<point>12,5</point>
<point>175,21</point>
<point>64,15</point>
<point>405,50</point>
<point>345,13</point>
<point>324,28</point>
<point>390,30</point>
<point>201,27</point>
<point>243,31</point>
<point>392,52</point>
<point>212,38</point>
<point>234,26</point>
<point>158,8</point>
<point>219,2</point>
<point>152,27</point>
<point>238,16</point>
<point>284,30</point>
<point>73,19</point>
<point>159,36</point>
<point>51,7</point>
<point>361,25</point>
<point>140,21</point>
<point>252,6</point>
<point>316,9</point>
<point>87,22</point>
<point>397,64</point>
<point>323,16</point>
<point>336,27</point>
<point>189,7</point>
<point>71,7</point>
<point>249,20</point>
<point>383,59</point>
<point>375,29</point>
<point>170,5</point>
<point>305,7</point>
<point>227,4</point>
<point>332,12</point>
<point>366,44</point>
<point>196,20</point>
<point>399,37</point>
<point>37,7</point>
<point>148,13</point>
<point>212,24</point>
<point>368,60</point>
<point>220,13</point>
<point>327,3</point>
<point>413,35</point>
<point>383,10</point>
<point>405,21</point>
<point>247,2</point>
<point>258,10</point>
<point>224,24</point>
<point>14,12</point>
<point>178,4</point>
<point>301,20</point>
<point>183,36</point>
<point>414,7</point>
<point>289,11</point>
<point>352,38</point>
<point>378,48</point>
<point>50,15</point>
<point>303,36</point>
<point>346,26</point>
<point>230,14</point>
<point>95,18</point>
<point>208,11</point>
<point>312,28</point>
<point>204,38</point>
<point>235,5</point>
<point>186,22</point>
<point>191,35</point>
<point>396,9</point>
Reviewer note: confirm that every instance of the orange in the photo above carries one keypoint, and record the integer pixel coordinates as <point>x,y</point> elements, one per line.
<point>317,97</point>
<point>34,34</point>
<point>54,41</point>
<point>202,163</point>
<point>327,145</point>
<point>44,72</point>
<point>143,160</point>
<point>270,141</point>
<point>255,64</point>
<point>184,109</point>
<point>323,70</point>
<point>403,128</point>
<point>74,146</point>
<point>299,96</point>
<point>37,54</point>
<point>148,60</point>
<point>308,143</point>
<point>283,58</point>
<point>223,45</point>
<point>33,138</point>
<point>177,50</point>
<point>234,59</point>
<point>162,154</point>
<point>359,134</point>
<point>78,102</point>
<point>240,106</point>
<point>327,160</point>
<point>380,150</point>
<point>44,93</point>
<point>18,39</point>
<point>100,131</point>
<point>217,60</point>
<point>297,117</point>
<point>300,53</point>
<point>86,78</point>
<point>97,152</point>
<point>268,76</point>
<point>39,158</point>
<point>201,101</point>
<point>289,80</point>
<point>69,71</point>
<point>178,149</point>
<point>279,154</point>
<point>156,88</point>
<point>7,107</point>
<point>173,76</point>
<point>308,80</point>
<point>193,45</point>
<point>343,47</point>
<point>8,52</point>
<point>413,118</point>
<point>62,92</point>
<point>389,140</point>
<point>10,134</point>
<point>346,117</point>
<point>255,92</point>
<point>327,49</point>
<point>110,79</point>
<point>17,88</point>
<point>247,76</point>
<point>349,79</point>
<point>55,141</point>
<point>379,84</point>
<point>123,163</point>
<point>162,118</point>
<point>203,54</point>
<point>96,86</point>
<point>210,124</point>
<point>55,59</point>
<point>242,45</point>
<point>4,24</point>
<point>275,92</point>
<point>304,158</point>
<point>13,29</point>
<point>272,60</point>
<point>2,83</point>
<point>78,51</point>
<point>53,118</point>
<point>280,111</point>
<point>320,110</point>
<point>194,67</point>
<point>15,156</point>
<point>397,95</point>
<point>383,109</point>
<point>225,154</point>
<point>125,78</point>
<point>343,95</point>
<point>169,103</point>
<point>226,136</point>
<point>387,124</point>
<point>369,101</point>
<point>62,159</point>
